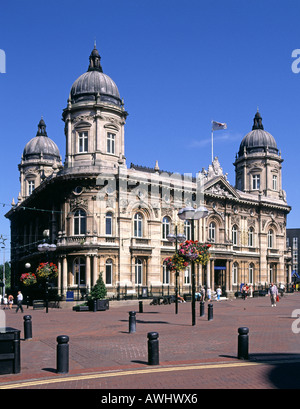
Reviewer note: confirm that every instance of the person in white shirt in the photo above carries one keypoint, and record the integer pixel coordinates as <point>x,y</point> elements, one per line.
<point>19,301</point>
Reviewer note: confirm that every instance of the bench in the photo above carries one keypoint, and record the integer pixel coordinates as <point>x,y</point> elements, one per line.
<point>38,304</point>
<point>167,299</point>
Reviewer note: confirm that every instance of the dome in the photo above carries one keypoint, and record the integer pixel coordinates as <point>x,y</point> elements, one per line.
<point>258,139</point>
<point>94,82</point>
<point>41,145</point>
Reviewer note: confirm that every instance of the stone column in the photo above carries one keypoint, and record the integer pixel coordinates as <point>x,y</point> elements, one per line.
<point>64,276</point>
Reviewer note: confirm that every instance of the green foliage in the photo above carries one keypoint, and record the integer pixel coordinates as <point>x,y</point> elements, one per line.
<point>99,291</point>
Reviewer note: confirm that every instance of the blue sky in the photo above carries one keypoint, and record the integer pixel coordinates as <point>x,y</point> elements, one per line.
<point>177,64</point>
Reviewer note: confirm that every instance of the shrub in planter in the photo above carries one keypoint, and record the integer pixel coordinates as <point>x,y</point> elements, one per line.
<point>98,294</point>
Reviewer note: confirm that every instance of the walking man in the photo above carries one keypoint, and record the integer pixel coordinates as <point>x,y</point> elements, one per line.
<point>273,293</point>
<point>19,301</point>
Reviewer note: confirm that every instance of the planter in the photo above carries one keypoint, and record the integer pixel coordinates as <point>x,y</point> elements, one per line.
<point>99,305</point>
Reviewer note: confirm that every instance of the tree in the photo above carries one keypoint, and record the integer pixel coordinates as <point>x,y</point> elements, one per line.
<point>99,291</point>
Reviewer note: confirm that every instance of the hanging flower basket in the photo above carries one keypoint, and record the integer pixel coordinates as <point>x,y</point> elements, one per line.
<point>195,251</point>
<point>28,279</point>
<point>47,271</point>
<point>176,263</point>
<point>189,251</point>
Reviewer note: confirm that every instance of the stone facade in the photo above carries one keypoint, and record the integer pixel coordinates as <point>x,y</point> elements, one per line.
<point>106,217</point>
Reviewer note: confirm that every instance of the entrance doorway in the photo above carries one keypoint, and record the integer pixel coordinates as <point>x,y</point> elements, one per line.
<point>220,274</point>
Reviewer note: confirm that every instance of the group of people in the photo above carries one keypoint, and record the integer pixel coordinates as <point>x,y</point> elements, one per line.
<point>247,290</point>
<point>206,294</point>
<point>8,301</point>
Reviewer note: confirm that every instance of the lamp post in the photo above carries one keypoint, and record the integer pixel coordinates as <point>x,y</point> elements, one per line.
<point>191,214</point>
<point>45,248</point>
<point>176,238</point>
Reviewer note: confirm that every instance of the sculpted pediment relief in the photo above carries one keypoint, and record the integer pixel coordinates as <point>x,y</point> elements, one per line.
<point>221,188</point>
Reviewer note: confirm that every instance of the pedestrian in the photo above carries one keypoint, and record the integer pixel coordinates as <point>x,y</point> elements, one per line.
<point>245,292</point>
<point>219,293</point>
<point>273,293</point>
<point>5,301</point>
<point>203,294</point>
<point>19,301</point>
<point>10,301</point>
<point>208,293</point>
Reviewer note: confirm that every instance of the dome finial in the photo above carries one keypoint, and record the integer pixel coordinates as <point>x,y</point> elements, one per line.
<point>41,128</point>
<point>257,122</point>
<point>95,60</point>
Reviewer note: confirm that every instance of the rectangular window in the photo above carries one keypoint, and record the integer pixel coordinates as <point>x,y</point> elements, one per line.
<point>274,182</point>
<point>111,143</point>
<point>82,142</point>
<point>30,186</point>
<point>255,182</point>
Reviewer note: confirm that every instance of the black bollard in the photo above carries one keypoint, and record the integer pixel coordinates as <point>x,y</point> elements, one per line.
<point>153,349</point>
<point>210,314</point>
<point>132,321</point>
<point>202,308</point>
<point>62,354</point>
<point>141,306</point>
<point>27,327</point>
<point>243,343</point>
<point>95,306</point>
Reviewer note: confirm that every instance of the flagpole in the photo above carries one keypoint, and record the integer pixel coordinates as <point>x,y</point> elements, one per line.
<point>212,142</point>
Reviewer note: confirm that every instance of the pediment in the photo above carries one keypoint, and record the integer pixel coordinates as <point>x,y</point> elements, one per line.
<point>219,186</point>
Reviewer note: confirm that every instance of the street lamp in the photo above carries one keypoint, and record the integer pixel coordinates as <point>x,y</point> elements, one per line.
<point>176,238</point>
<point>45,248</point>
<point>191,214</point>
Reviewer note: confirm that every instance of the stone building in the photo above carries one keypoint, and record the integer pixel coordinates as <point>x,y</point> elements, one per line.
<point>104,216</point>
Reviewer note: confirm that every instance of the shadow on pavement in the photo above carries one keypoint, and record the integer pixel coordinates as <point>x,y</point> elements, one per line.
<point>284,368</point>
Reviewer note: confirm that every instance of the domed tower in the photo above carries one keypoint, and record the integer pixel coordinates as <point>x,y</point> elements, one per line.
<point>94,121</point>
<point>258,163</point>
<point>40,159</point>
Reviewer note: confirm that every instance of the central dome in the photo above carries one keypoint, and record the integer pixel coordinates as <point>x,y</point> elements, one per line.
<point>94,82</point>
<point>258,139</point>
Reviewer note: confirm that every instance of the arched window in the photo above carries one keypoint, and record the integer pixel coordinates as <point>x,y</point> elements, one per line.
<point>187,275</point>
<point>138,225</point>
<point>270,239</point>
<point>235,268</point>
<point>108,271</point>
<point>187,230</point>
<point>234,235</point>
<point>251,237</point>
<point>80,222</point>
<point>138,272</point>
<point>212,232</point>
<point>79,271</point>
<point>251,273</point>
<point>108,224</point>
<point>165,227</point>
<point>166,275</point>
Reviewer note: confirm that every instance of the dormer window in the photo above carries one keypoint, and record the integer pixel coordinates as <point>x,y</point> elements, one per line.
<point>82,142</point>
<point>111,143</point>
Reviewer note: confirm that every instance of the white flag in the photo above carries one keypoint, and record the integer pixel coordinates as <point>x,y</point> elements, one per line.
<point>218,125</point>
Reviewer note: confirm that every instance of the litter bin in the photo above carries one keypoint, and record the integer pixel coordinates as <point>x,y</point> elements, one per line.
<point>10,352</point>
